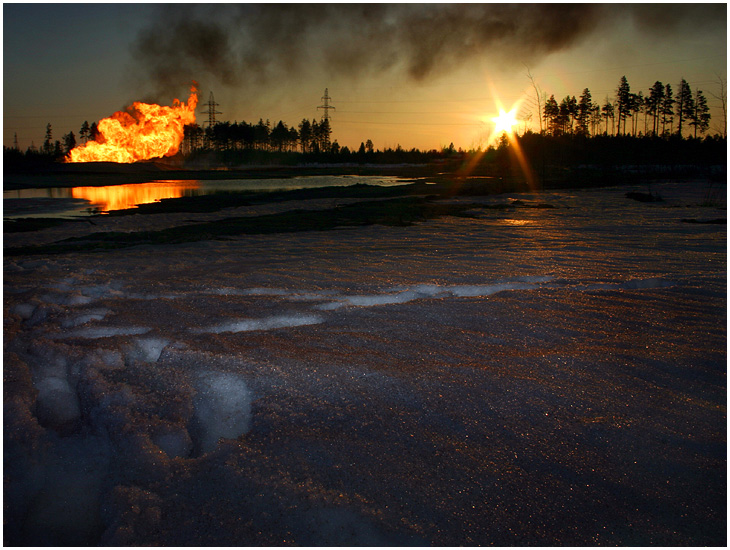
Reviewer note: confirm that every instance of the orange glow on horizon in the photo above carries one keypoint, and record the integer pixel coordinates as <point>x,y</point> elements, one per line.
<point>121,197</point>
<point>144,131</point>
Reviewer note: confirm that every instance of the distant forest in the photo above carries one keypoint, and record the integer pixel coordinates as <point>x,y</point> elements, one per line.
<point>658,127</point>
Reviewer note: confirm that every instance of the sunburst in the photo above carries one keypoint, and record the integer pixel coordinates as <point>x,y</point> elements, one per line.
<point>505,121</point>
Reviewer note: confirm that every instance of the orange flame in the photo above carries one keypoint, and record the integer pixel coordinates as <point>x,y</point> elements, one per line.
<point>143,131</point>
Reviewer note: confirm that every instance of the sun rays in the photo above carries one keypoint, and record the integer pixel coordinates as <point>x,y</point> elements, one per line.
<point>505,121</point>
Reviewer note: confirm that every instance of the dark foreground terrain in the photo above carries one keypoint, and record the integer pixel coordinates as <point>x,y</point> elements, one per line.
<point>484,371</point>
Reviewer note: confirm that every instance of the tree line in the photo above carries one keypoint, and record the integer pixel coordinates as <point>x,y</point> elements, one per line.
<point>310,137</point>
<point>658,113</point>
<point>622,115</point>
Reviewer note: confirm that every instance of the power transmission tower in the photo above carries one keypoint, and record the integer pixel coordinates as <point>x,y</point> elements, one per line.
<point>15,142</point>
<point>211,112</point>
<point>326,117</point>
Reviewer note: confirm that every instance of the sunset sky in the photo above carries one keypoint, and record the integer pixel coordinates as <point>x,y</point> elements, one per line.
<point>415,75</point>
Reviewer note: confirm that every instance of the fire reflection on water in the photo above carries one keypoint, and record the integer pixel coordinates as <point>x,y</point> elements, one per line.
<point>120,197</point>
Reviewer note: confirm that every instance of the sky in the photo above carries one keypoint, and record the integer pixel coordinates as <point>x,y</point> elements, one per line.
<point>415,75</point>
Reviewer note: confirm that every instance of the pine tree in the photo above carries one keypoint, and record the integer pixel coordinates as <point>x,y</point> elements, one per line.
<point>48,141</point>
<point>653,103</point>
<point>701,115</point>
<point>608,112</point>
<point>685,105</point>
<point>623,102</point>
<point>85,131</point>
<point>667,109</point>
<point>585,108</point>
<point>305,134</point>
<point>69,142</point>
<point>595,118</point>
<point>551,112</point>
<point>636,104</point>
<point>94,133</point>
<point>565,110</point>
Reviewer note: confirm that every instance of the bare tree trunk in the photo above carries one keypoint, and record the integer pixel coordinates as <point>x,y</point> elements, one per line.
<point>537,95</point>
<point>723,100</point>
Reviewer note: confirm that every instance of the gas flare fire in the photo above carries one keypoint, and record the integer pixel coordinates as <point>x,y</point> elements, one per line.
<point>143,131</point>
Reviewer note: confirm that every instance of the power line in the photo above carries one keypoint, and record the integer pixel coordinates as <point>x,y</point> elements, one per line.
<point>476,123</point>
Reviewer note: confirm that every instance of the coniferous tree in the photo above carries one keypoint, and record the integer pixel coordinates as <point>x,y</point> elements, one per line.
<point>654,101</point>
<point>685,105</point>
<point>47,148</point>
<point>293,138</point>
<point>608,112</point>
<point>305,134</point>
<point>595,118</point>
<point>69,142</point>
<point>261,134</point>
<point>636,104</point>
<point>667,109</point>
<point>94,134</point>
<point>623,102</point>
<point>85,131</point>
<point>700,119</point>
<point>325,132</point>
<point>551,111</point>
<point>564,112</point>
<point>279,136</point>
<point>585,109</point>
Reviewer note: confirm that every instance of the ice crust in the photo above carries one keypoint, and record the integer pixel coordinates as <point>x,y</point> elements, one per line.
<point>255,392</point>
<point>268,323</point>
<point>222,409</point>
<point>147,350</point>
<point>103,332</point>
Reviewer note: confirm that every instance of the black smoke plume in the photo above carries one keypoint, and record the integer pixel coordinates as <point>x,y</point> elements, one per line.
<point>250,45</point>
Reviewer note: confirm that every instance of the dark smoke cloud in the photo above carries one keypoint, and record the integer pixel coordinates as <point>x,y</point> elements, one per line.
<point>252,45</point>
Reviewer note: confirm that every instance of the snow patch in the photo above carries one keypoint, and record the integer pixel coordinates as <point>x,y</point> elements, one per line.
<point>57,404</point>
<point>146,350</point>
<point>222,409</point>
<point>73,299</point>
<point>487,290</point>
<point>93,315</point>
<point>102,332</point>
<point>419,292</point>
<point>267,323</point>
<point>24,311</point>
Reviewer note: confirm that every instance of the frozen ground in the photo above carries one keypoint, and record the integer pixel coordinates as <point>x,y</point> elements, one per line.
<point>523,377</point>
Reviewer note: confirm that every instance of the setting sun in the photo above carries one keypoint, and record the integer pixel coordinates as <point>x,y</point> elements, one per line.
<point>505,121</point>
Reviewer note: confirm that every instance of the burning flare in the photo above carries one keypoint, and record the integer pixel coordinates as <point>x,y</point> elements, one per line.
<point>141,132</point>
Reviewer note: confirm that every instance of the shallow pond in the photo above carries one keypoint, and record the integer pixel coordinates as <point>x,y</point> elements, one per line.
<point>90,200</point>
